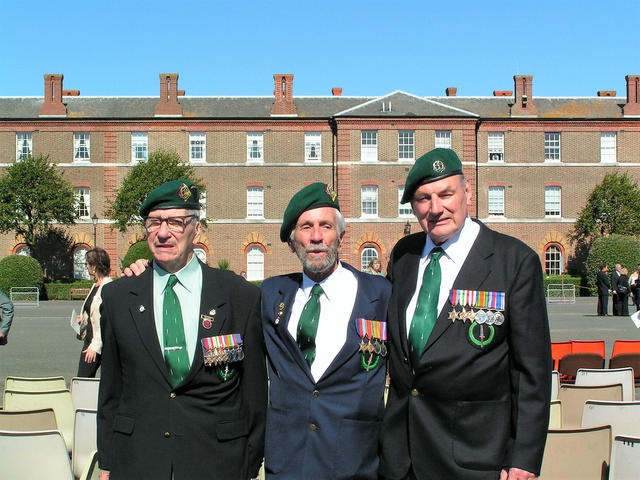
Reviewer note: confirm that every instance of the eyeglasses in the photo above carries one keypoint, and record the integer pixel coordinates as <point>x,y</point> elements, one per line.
<point>174,224</point>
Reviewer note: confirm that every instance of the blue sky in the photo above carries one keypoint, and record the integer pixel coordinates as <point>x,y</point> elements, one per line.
<point>572,48</point>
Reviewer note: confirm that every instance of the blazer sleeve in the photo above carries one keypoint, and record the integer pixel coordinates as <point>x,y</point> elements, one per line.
<point>6,313</point>
<point>530,364</point>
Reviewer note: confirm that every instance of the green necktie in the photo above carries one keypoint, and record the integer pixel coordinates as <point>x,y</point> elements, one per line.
<point>175,346</point>
<point>308,325</point>
<point>426,313</point>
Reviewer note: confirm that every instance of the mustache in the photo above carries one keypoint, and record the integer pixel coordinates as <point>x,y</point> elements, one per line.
<point>316,247</point>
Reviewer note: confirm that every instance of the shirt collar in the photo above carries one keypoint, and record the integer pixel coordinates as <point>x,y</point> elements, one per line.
<point>330,285</point>
<point>457,247</point>
<point>186,275</point>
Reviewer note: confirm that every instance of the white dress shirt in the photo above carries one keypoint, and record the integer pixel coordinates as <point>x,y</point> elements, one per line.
<point>336,304</point>
<point>455,253</point>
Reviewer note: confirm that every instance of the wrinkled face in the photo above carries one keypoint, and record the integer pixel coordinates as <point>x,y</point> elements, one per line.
<point>441,207</point>
<point>172,249</point>
<point>316,241</point>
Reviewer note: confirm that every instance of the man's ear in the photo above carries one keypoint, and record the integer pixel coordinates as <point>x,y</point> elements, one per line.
<point>196,238</point>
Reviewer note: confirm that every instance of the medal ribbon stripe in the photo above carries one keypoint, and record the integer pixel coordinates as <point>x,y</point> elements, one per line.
<point>371,329</point>
<point>477,299</point>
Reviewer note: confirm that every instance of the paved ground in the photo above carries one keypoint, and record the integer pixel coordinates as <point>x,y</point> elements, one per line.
<point>41,343</point>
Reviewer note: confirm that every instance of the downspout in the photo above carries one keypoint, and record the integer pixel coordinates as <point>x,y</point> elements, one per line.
<point>334,136</point>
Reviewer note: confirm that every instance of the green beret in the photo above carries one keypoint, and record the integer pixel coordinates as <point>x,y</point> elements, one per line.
<point>312,196</point>
<point>435,165</point>
<point>174,194</point>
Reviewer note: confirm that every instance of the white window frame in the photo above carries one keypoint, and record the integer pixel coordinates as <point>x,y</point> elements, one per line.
<point>139,147</point>
<point>495,146</point>
<point>552,146</point>
<point>255,147</point>
<point>443,139</point>
<point>553,262</point>
<point>313,147</point>
<point>495,203</point>
<point>255,263</point>
<point>608,141</point>
<point>82,197</point>
<point>81,147</point>
<point>24,145</point>
<point>80,270</point>
<point>197,147</point>
<point>552,201</point>
<point>369,201</point>
<point>366,256</point>
<point>255,202</point>
<point>406,146</point>
<point>404,210</point>
<point>368,145</point>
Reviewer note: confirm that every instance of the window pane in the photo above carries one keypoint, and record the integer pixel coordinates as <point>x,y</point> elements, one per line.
<point>443,138</point>
<point>552,146</point>
<point>81,146</point>
<point>139,146</point>
<point>495,142</point>
<point>312,146</point>
<point>552,201</point>
<point>255,202</point>
<point>553,260</point>
<point>496,201</point>
<point>80,271</point>
<point>403,210</point>
<point>197,147</point>
<point>369,199</point>
<point>24,145</point>
<point>369,146</point>
<point>406,145</point>
<point>254,146</point>
<point>368,254</point>
<point>255,263</point>
<point>82,207</point>
<point>608,147</point>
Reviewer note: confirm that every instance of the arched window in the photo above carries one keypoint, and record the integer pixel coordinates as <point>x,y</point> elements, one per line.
<point>255,263</point>
<point>553,260</point>
<point>80,271</point>
<point>22,249</point>
<point>368,253</point>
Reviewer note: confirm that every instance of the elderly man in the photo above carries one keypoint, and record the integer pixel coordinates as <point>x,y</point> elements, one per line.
<point>183,387</point>
<point>6,317</point>
<point>325,333</point>
<point>470,359</point>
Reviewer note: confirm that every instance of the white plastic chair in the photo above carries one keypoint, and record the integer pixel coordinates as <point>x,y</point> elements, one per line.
<point>555,384</point>
<point>624,417</point>
<point>574,397</point>
<point>84,439</point>
<point>34,384</point>
<point>555,414</point>
<point>32,455</point>
<point>91,470</point>
<point>625,458</point>
<point>608,376</point>
<point>84,392</point>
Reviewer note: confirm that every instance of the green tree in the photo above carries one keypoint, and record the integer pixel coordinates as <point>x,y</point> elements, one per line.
<point>611,208</point>
<point>161,167</point>
<point>610,250</point>
<point>34,195</point>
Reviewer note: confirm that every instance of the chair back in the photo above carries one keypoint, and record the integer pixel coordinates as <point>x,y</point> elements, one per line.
<point>625,346</point>
<point>59,401</point>
<point>84,392</point>
<point>91,470</point>
<point>574,398</point>
<point>625,458</point>
<point>555,414</point>
<point>84,439</point>
<point>34,384</point>
<point>627,360</point>
<point>624,417</point>
<point>588,346</point>
<point>577,453</point>
<point>31,455</point>
<point>559,350</point>
<point>28,420</point>
<point>590,376</point>
<point>569,364</point>
<point>555,384</point>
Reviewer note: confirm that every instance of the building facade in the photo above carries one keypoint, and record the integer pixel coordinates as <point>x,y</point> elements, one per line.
<point>531,161</point>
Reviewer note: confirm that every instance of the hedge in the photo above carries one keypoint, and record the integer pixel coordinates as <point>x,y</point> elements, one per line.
<point>20,271</point>
<point>136,251</point>
<point>62,290</point>
<point>566,280</point>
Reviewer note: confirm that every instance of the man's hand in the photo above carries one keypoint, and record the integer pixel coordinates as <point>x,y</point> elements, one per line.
<point>104,475</point>
<point>136,268</point>
<point>517,474</point>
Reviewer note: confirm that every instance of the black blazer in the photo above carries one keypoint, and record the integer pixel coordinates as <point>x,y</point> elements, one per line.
<point>602,281</point>
<point>206,427</point>
<point>468,411</point>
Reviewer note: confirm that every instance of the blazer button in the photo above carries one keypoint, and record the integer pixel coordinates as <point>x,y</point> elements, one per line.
<point>405,360</point>
<point>172,395</point>
<point>316,393</point>
<point>414,392</point>
<point>167,434</point>
<point>313,427</point>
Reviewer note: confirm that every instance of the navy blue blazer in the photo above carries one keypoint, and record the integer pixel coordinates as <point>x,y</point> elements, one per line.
<point>327,429</point>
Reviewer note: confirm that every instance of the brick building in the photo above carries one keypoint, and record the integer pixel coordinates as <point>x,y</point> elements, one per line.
<point>531,161</point>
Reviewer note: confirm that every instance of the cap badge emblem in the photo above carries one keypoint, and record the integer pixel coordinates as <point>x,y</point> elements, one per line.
<point>184,193</point>
<point>330,192</point>
<point>438,166</point>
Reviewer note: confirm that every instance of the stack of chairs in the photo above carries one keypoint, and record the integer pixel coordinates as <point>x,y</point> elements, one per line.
<point>47,430</point>
<point>594,425</point>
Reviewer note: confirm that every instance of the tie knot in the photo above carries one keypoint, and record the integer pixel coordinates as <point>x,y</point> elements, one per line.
<point>436,253</point>
<point>172,281</point>
<point>316,290</point>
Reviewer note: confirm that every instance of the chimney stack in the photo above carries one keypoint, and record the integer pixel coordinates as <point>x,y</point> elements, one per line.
<point>632,106</point>
<point>606,93</point>
<point>451,91</point>
<point>523,105</point>
<point>53,106</point>
<point>503,93</point>
<point>336,91</point>
<point>283,93</point>
<point>168,105</point>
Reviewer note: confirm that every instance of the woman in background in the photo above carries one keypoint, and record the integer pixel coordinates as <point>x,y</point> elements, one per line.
<point>375,267</point>
<point>623,292</point>
<point>99,267</point>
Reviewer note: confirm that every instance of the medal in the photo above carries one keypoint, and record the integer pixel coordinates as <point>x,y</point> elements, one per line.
<point>280,312</point>
<point>374,347</point>
<point>499,318</point>
<point>207,320</point>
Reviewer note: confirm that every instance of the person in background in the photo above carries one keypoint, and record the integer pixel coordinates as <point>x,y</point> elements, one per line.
<point>6,317</point>
<point>615,276</point>
<point>633,287</point>
<point>623,293</point>
<point>99,266</point>
<point>604,285</point>
<point>375,267</point>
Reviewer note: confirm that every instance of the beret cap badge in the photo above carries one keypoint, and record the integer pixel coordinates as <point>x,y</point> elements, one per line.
<point>331,193</point>
<point>184,193</point>
<point>438,166</point>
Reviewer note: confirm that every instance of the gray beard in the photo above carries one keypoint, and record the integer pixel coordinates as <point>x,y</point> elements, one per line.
<point>330,261</point>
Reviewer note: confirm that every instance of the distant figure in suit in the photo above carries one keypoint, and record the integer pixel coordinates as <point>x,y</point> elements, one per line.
<point>604,285</point>
<point>623,293</point>
<point>183,388</point>
<point>6,317</point>
<point>325,333</point>
<point>470,355</point>
<point>615,277</point>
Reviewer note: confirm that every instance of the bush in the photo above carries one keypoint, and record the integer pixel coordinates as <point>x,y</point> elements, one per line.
<point>610,250</point>
<point>62,290</point>
<point>136,251</point>
<point>20,271</point>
